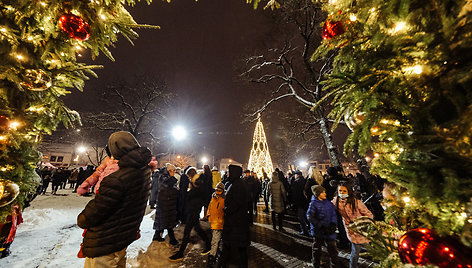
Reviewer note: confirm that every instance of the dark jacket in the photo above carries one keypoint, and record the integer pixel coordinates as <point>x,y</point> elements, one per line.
<point>113,217</point>
<point>307,191</point>
<point>323,219</point>
<point>196,197</point>
<point>181,206</point>
<point>298,195</point>
<point>166,209</point>
<point>236,227</point>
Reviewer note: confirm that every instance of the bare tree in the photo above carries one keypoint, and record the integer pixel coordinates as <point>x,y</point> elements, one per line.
<point>292,74</point>
<point>139,107</point>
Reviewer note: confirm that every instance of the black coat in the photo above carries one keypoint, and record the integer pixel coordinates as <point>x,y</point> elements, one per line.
<point>196,197</point>
<point>298,194</point>
<point>236,224</point>
<point>113,217</point>
<point>166,209</point>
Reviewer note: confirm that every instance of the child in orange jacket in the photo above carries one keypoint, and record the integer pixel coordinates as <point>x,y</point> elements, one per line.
<point>215,217</point>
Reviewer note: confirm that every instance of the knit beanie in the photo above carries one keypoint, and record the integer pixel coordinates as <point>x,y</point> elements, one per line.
<point>317,189</point>
<point>220,186</point>
<point>169,166</point>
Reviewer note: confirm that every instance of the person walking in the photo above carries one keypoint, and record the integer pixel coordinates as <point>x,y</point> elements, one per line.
<point>323,221</point>
<point>216,219</point>
<point>166,206</point>
<point>276,192</point>
<point>113,217</point>
<point>351,209</point>
<point>235,227</point>
<point>300,202</point>
<point>265,184</point>
<point>183,187</point>
<point>73,178</point>
<point>196,197</point>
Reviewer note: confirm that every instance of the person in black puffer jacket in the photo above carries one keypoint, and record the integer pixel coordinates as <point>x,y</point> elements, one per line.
<point>166,207</point>
<point>113,217</point>
<point>236,219</point>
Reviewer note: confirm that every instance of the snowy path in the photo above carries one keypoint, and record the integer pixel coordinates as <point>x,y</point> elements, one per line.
<point>50,237</point>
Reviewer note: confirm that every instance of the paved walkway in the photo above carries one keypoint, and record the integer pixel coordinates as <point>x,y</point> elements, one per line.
<point>268,248</point>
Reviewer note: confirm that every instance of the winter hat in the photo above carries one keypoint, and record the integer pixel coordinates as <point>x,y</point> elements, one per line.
<point>122,142</point>
<point>214,168</point>
<point>235,171</point>
<point>169,166</point>
<point>190,172</point>
<point>317,189</point>
<point>220,186</point>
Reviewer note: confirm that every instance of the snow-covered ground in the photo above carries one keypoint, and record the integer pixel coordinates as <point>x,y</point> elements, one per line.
<point>50,237</point>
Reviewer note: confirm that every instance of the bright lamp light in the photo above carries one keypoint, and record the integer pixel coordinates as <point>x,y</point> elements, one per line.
<point>179,133</point>
<point>81,149</point>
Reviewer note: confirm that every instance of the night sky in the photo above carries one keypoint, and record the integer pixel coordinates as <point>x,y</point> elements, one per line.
<point>195,52</point>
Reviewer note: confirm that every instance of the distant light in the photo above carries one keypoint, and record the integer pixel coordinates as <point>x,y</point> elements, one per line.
<point>406,199</point>
<point>178,156</point>
<point>81,149</point>
<point>179,133</point>
<point>204,160</point>
<point>352,17</point>
<point>303,164</point>
<point>367,158</point>
<point>78,130</point>
<point>230,160</point>
<point>376,155</point>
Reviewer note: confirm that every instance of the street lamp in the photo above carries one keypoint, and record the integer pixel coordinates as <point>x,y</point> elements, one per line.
<point>179,133</point>
<point>303,164</point>
<point>204,160</point>
<point>81,149</point>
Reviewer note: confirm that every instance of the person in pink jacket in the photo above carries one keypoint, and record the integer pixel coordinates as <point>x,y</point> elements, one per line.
<point>107,167</point>
<point>351,209</point>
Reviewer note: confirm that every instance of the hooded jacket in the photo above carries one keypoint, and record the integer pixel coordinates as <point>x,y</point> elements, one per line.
<point>166,209</point>
<point>276,194</point>
<point>236,227</point>
<point>113,217</point>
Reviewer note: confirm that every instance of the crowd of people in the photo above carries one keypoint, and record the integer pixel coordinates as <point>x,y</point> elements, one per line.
<point>129,179</point>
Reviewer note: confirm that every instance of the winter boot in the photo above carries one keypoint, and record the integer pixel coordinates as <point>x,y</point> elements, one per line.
<point>211,261</point>
<point>207,249</point>
<point>177,256</point>
<point>157,236</point>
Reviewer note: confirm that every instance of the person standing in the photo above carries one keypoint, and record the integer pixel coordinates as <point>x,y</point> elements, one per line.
<point>323,221</point>
<point>265,184</point>
<point>235,228</point>
<point>207,178</point>
<point>73,178</point>
<point>314,178</point>
<point>113,217</point>
<point>276,192</point>
<point>216,219</point>
<point>166,206</point>
<point>183,187</point>
<point>300,202</point>
<point>196,197</point>
<point>216,176</point>
<point>251,189</point>
<point>351,209</point>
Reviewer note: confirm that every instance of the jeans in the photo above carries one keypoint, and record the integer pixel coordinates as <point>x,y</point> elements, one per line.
<point>355,250</point>
<point>316,251</point>
<point>301,213</point>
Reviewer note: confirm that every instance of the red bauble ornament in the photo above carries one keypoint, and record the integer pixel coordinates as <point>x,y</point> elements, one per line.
<point>332,29</point>
<point>423,246</point>
<point>75,27</point>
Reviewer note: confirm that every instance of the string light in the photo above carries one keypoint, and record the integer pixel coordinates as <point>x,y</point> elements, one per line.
<point>103,17</point>
<point>43,4</point>
<point>14,125</point>
<point>20,57</point>
<point>352,17</point>
<point>3,138</point>
<point>376,155</point>
<point>400,26</point>
<point>4,30</point>
<point>406,199</point>
<point>464,215</point>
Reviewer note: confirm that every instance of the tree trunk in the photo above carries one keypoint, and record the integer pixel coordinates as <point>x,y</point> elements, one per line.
<point>328,139</point>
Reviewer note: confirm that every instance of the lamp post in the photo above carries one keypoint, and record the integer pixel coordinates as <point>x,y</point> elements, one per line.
<point>178,133</point>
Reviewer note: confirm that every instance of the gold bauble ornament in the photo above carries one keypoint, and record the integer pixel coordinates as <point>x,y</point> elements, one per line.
<point>36,80</point>
<point>354,120</point>
<point>8,192</point>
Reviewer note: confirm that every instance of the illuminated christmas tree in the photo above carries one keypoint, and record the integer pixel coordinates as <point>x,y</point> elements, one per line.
<point>259,160</point>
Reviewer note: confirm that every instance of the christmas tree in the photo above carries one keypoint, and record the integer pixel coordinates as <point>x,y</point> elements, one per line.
<point>402,81</point>
<point>40,42</point>
<point>259,159</point>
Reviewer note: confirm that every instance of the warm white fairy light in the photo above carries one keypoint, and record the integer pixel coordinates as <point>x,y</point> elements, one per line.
<point>43,4</point>
<point>376,155</point>
<point>464,215</point>
<point>259,158</point>
<point>3,30</point>
<point>78,47</point>
<point>14,125</point>
<point>20,57</point>
<point>103,17</point>
<point>353,17</point>
<point>406,199</point>
<point>3,138</point>
<point>417,69</point>
<point>400,26</point>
